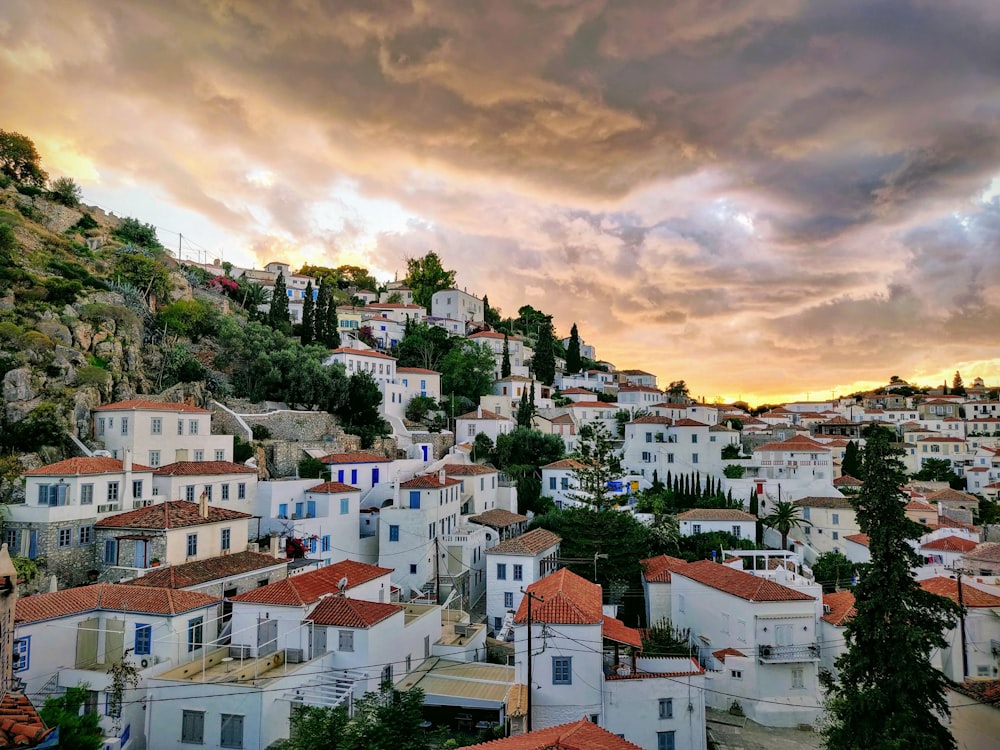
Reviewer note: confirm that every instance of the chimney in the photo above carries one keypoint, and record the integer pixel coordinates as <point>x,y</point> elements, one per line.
<point>203,505</point>
<point>479,412</point>
<point>441,476</point>
<point>127,461</point>
<point>275,549</point>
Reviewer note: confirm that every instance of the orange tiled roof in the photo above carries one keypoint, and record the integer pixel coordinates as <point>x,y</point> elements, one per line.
<point>531,543</point>
<point>948,495</point>
<point>971,596</point>
<point>20,724</point>
<point>861,539</point>
<point>306,588</point>
<point>591,405</point>
<point>689,423</point>
<point>738,583</point>
<point>847,481</point>
<point>615,630</point>
<point>798,443</point>
<point>481,414</point>
<point>569,600</point>
<point>362,353</point>
<point>114,597</point>
<point>82,467</point>
<point>417,370</point>
<point>202,468</point>
<point>468,470</point>
<point>580,735</point>
<point>566,463</point>
<point>428,482</point>
<point>200,571</point>
<point>355,457</point>
<point>841,604</point>
<point>172,514</point>
<point>722,653</point>
<point>950,544</point>
<point>330,488</point>
<point>653,419</point>
<point>498,518</point>
<point>144,404</point>
<point>658,569</point>
<point>341,611</point>
<point>986,551</point>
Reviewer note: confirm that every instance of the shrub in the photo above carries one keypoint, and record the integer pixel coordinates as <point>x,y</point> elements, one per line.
<point>135,232</point>
<point>30,212</point>
<point>189,317</point>
<point>145,273</point>
<point>91,375</point>
<point>7,239</point>
<point>10,334</point>
<point>311,468</point>
<point>29,190</point>
<point>37,341</point>
<point>85,223</point>
<point>65,191</point>
<point>62,292</point>
<point>242,450</point>
<point>8,362</point>
<point>74,272</point>
<point>260,432</point>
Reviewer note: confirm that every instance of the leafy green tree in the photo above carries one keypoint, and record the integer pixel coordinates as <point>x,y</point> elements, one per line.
<point>730,452</point>
<point>783,519</point>
<point>425,276</point>
<point>278,316</point>
<point>521,453</point>
<point>360,412</point>
<point>311,468</point>
<point>940,470</point>
<point>482,447</point>
<point>134,232</point>
<point>586,532</point>
<point>467,371</point>
<point>145,273</point>
<point>19,159</point>
<point>192,318</point>
<point>880,701</point>
<point>663,639</point>
<point>833,571</point>
<point>331,325</point>
<point>701,546</point>
<point>78,730</point>
<point>419,407</point>
<point>851,464</point>
<point>573,361</point>
<point>733,471</point>
<point>308,327</point>
<point>65,191</point>
<point>505,358</point>
<point>678,391</point>
<point>315,728</point>
<point>601,466</point>
<point>491,315</point>
<point>423,346</point>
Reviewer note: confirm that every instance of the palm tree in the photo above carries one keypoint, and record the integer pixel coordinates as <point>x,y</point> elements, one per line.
<point>255,295</point>
<point>783,519</point>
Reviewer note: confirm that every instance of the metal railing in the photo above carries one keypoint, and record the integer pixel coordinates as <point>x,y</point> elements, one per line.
<point>799,652</point>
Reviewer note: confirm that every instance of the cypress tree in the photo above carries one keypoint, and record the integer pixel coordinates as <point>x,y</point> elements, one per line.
<point>887,694</point>
<point>697,485</point>
<point>308,316</point>
<point>573,360</point>
<point>545,358</point>
<point>319,314</point>
<point>505,361</point>
<point>332,327</point>
<point>852,461</point>
<point>277,315</point>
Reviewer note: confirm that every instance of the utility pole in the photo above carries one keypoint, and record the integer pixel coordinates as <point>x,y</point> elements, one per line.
<point>965,646</point>
<point>180,243</point>
<point>531,597</point>
<point>437,569</point>
<point>598,556</point>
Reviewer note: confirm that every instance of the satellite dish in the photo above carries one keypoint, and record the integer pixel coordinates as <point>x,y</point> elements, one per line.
<point>342,583</point>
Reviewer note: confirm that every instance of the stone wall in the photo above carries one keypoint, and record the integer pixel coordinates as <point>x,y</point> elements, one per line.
<point>69,564</point>
<point>442,441</point>
<point>245,582</point>
<point>296,425</point>
<point>283,456</point>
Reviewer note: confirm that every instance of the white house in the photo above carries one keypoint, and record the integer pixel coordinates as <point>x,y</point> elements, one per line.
<point>480,487</point>
<point>514,564</point>
<point>419,381</point>
<point>559,481</point>
<point>482,422</point>
<point>517,352</point>
<point>740,524</point>
<point>457,305</point>
<point>401,312</point>
<point>773,628</point>
<point>222,483</point>
<point>328,518</point>
<point>798,457</point>
<point>73,636</point>
<point>362,469</point>
<point>830,519</point>
<point>656,577</point>
<point>160,433</point>
<point>633,397</point>
<point>588,666</point>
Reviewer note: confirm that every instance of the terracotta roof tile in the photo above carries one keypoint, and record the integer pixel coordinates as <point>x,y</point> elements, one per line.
<point>861,539</point>
<point>83,466</point>
<point>341,611</point>
<point>428,482</point>
<point>332,488</point>
<point>566,463</point>
<point>172,514</point>
<point>145,404</point>
<point>615,630</point>
<point>950,544</point>
<point>971,596</point>
<point>653,419</point>
<point>847,481</point>
<point>531,543</point>
<point>948,495</point>
<point>21,724</point>
<point>362,353</point>
<point>305,588</point>
<point>115,597</point>
<point>498,518</point>
<point>689,423</point>
<point>569,600</point>
<point>658,569</point>
<point>355,457</point>
<point>202,468</point>
<point>200,571</point>
<point>468,470</point>
<point>986,551</point>
<point>797,444</point>
<point>481,414</point>
<point>738,583</point>
<point>591,405</point>
<point>417,370</point>
<point>841,604</point>
<point>580,735</point>
<point>715,514</point>
<point>722,653</point>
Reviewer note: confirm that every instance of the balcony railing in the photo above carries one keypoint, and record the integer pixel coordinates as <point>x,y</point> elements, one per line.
<point>778,654</point>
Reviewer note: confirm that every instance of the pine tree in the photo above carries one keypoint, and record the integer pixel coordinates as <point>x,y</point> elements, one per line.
<point>957,384</point>
<point>308,316</point>
<point>545,358</point>
<point>277,316</point>
<point>505,361</point>
<point>573,361</point>
<point>319,315</point>
<point>887,693</point>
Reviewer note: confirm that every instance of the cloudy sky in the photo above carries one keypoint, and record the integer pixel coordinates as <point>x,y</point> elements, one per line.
<point>767,198</point>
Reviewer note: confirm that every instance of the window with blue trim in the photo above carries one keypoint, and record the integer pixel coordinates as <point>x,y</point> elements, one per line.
<point>112,707</point>
<point>143,639</point>
<point>226,539</point>
<point>508,600</point>
<point>354,476</point>
<point>326,543</point>
<point>345,506</point>
<point>562,670</point>
<point>283,510</point>
<point>501,571</point>
<point>310,509</point>
<point>413,569</point>
<point>22,653</point>
<point>393,533</point>
<point>415,499</point>
<point>110,551</point>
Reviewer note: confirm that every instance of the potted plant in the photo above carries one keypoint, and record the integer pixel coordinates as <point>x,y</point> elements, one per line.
<point>155,562</point>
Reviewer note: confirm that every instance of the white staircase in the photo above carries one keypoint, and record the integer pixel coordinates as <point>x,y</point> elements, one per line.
<point>330,691</point>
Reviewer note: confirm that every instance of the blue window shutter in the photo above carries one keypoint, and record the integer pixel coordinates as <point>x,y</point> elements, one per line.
<point>414,498</point>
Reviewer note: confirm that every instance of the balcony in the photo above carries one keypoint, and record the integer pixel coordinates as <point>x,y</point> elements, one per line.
<point>786,654</point>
